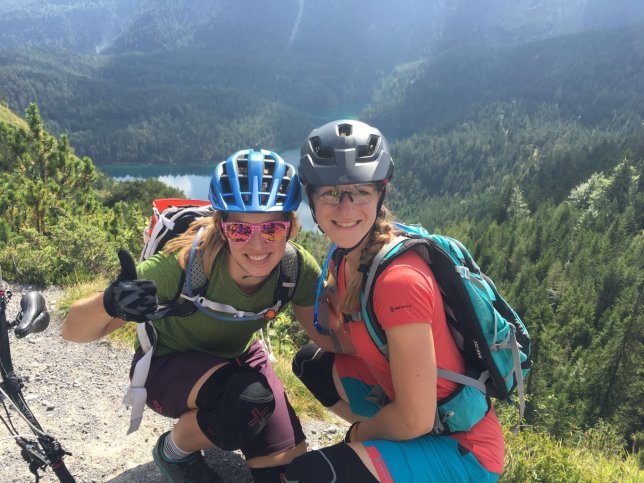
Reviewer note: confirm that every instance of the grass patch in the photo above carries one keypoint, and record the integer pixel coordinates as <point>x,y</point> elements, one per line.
<point>533,456</point>
<point>79,291</point>
<point>125,335</point>
<point>7,116</point>
<point>590,456</point>
<point>305,405</point>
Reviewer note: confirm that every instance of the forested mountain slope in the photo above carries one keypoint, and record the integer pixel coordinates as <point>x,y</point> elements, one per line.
<point>192,106</point>
<point>542,117</point>
<point>590,77</point>
<point>533,146</point>
<point>151,110</point>
<point>571,268</point>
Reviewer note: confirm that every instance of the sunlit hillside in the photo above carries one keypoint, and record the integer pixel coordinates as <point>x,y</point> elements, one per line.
<point>6,115</point>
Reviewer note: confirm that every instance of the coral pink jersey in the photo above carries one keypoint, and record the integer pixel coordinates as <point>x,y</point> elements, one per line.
<point>406,292</point>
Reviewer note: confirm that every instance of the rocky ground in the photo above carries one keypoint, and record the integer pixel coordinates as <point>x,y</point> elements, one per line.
<point>75,391</point>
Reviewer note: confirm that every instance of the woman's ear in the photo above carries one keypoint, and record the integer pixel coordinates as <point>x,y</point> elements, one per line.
<point>217,222</point>
<point>294,230</point>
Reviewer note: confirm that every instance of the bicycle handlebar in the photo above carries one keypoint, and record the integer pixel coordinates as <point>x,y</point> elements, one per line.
<point>46,451</point>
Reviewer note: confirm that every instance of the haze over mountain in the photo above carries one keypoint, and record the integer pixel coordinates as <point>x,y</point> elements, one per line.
<point>330,29</point>
<point>589,76</point>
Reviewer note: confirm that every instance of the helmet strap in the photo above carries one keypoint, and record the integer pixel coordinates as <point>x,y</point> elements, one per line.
<point>383,192</point>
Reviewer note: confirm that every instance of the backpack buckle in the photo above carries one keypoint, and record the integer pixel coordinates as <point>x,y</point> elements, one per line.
<point>464,272</point>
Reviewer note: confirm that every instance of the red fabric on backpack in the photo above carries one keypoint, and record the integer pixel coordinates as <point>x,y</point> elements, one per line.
<point>161,204</point>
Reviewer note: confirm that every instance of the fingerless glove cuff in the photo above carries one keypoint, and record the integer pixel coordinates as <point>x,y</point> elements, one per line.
<point>110,305</point>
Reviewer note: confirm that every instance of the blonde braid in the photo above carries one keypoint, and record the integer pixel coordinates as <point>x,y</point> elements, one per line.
<point>379,236</point>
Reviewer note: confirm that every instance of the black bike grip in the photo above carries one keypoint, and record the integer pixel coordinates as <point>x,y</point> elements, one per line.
<point>33,316</point>
<point>62,473</point>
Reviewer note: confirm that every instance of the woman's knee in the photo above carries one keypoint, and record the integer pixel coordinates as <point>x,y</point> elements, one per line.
<point>314,367</point>
<point>234,405</point>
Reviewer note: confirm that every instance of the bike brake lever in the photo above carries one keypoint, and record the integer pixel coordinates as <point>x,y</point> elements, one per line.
<point>33,316</point>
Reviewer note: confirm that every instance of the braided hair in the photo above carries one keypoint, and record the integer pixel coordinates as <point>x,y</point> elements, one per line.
<point>378,237</point>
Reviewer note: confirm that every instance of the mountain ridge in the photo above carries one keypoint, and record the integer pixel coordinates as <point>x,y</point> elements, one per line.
<point>330,29</point>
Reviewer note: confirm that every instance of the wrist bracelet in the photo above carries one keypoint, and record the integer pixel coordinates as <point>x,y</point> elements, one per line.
<point>354,428</point>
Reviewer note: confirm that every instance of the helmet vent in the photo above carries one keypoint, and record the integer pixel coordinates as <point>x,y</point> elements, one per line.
<point>248,182</point>
<point>322,152</point>
<point>370,148</point>
<point>345,130</point>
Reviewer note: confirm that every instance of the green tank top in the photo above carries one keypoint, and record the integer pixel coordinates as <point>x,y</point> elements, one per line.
<point>205,333</point>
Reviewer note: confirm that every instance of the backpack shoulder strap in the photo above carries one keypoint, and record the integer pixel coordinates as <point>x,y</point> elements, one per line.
<point>192,284</point>
<point>399,245</point>
<point>289,274</point>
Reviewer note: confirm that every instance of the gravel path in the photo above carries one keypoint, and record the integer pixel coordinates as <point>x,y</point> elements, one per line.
<point>75,391</point>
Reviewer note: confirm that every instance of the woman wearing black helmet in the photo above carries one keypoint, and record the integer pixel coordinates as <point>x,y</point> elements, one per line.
<point>391,402</point>
<point>207,369</point>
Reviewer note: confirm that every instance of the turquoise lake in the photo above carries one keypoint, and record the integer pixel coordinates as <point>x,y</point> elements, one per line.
<point>195,180</point>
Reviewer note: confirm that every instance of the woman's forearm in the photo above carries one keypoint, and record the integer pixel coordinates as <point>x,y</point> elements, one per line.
<point>88,321</point>
<point>395,424</point>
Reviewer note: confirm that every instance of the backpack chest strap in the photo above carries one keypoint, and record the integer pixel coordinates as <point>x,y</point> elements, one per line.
<point>203,303</point>
<point>196,284</point>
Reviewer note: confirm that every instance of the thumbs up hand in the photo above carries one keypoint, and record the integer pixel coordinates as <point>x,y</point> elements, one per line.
<point>127,297</point>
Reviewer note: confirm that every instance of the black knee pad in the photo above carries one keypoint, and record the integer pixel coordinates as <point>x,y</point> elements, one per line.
<point>314,367</point>
<point>234,405</point>
<point>327,465</point>
<point>272,474</point>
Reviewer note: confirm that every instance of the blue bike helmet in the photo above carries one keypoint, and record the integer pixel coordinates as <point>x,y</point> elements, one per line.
<point>255,181</point>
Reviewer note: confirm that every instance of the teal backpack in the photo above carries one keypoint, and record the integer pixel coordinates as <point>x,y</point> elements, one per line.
<point>489,334</point>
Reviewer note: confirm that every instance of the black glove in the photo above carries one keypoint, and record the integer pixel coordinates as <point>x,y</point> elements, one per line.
<point>127,297</point>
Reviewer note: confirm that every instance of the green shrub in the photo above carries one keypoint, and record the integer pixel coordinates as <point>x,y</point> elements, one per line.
<point>532,456</point>
<point>72,251</point>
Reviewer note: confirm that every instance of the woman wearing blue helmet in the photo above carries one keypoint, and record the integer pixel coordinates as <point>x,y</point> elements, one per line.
<point>208,370</point>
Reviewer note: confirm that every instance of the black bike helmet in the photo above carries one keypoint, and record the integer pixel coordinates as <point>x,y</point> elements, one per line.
<point>345,152</point>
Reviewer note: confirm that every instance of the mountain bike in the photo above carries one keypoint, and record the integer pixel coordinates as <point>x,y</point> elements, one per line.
<point>39,450</point>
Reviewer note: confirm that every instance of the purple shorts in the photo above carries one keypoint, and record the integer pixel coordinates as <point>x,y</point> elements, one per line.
<point>172,377</point>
